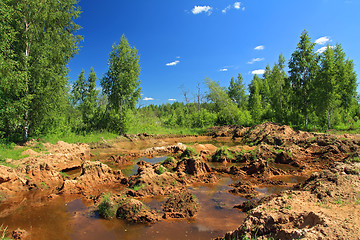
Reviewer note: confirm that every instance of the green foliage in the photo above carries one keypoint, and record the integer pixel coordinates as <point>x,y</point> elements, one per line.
<point>107,209</point>
<point>188,153</point>
<point>10,151</point>
<point>35,50</point>
<point>168,160</point>
<point>121,85</point>
<point>303,67</point>
<point>222,154</point>
<point>161,170</point>
<point>138,187</point>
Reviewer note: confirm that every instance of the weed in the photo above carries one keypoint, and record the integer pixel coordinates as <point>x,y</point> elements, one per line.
<point>168,160</point>
<point>222,154</point>
<point>138,187</point>
<point>3,233</point>
<point>64,174</point>
<point>107,208</point>
<point>161,170</point>
<point>189,152</point>
<point>44,185</point>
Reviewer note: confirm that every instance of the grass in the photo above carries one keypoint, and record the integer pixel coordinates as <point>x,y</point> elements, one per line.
<point>156,129</point>
<point>107,209</point>
<point>161,170</point>
<point>10,150</point>
<point>168,160</point>
<point>138,187</point>
<point>222,153</point>
<point>3,233</point>
<point>71,137</point>
<point>189,152</point>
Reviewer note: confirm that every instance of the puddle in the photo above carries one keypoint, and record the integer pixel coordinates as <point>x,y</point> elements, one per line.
<point>132,169</point>
<point>75,220</point>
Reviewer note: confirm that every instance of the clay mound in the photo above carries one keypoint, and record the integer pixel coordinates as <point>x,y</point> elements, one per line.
<point>332,195</point>
<point>182,205</point>
<point>94,176</point>
<point>341,183</point>
<point>30,153</point>
<point>150,180</point>
<point>244,189</point>
<point>273,134</point>
<point>193,166</point>
<point>135,211</point>
<point>179,147</point>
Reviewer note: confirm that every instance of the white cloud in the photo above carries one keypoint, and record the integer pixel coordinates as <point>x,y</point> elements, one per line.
<point>258,72</point>
<point>200,9</point>
<point>322,40</point>
<point>171,99</point>
<point>178,57</point>
<point>224,70</point>
<point>226,9</point>
<point>254,60</point>
<point>323,49</point>
<point>173,63</point>
<point>237,5</point>
<point>261,47</point>
<point>243,9</point>
<point>148,99</point>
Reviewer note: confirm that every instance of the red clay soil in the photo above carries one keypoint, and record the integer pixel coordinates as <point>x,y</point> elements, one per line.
<point>326,206</point>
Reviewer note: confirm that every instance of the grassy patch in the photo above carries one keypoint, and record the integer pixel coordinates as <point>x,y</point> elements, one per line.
<point>168,160</point>
<point>138,187</point>
<point>189,152</point>
<point>107,209</point>
<point>71,137</point>
<point>11,151</point>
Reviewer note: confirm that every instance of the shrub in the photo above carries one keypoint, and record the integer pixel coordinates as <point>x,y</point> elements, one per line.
<point>107,208</point>
<point>189,152</point>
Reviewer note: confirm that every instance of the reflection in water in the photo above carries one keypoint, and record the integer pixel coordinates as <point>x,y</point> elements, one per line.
<point>132,169</point>
<point>75,220</point>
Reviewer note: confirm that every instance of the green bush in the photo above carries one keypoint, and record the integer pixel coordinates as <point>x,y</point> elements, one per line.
<point>189,152</point>
<point>107,209</point>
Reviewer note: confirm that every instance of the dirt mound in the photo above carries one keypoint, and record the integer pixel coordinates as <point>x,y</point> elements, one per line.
<point>182,205</point>
<point>93,178</point>
<point>244,189</point>
<point>193,166</point>
<point>135,211</point>
<point>328,209</point>
<point>154,180</point>
<point>179,147</point>
<point>120,160</point>
<point>339,184</point>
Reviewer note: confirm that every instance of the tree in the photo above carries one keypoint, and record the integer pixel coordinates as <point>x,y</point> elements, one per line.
<point>221,99</point>
<point>38,41</point>
<point>237,93</point>
<point>79,89</point>
<point>327,85</point>
<point>277,90</point>
<point>121,84</point>
<point>90,101</point>
<point>303,70</point>
<point>255,105</point>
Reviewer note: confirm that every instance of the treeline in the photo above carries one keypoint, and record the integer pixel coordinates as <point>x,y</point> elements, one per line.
<point>36,98</point>
<point>317,93</point>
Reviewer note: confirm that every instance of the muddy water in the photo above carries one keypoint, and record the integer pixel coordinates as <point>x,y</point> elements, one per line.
<point>62,219</point>
<point>75,220</point>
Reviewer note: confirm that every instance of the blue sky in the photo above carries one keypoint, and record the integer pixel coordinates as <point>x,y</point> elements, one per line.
<point>181,42</point>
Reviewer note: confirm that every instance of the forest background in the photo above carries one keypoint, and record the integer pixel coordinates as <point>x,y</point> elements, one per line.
<point>310,91</point>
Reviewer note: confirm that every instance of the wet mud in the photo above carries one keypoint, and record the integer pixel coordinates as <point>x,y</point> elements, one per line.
<point>185,187</point>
